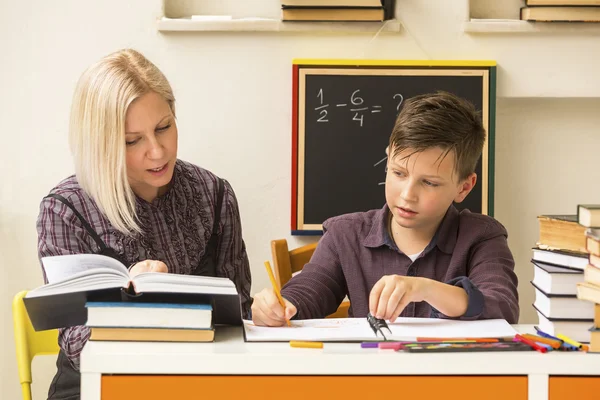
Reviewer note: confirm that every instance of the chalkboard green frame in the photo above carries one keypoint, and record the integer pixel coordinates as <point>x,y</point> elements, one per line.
<point>305,69</point>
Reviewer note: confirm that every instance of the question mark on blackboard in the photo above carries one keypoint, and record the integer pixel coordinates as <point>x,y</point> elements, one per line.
<point>400,103</point>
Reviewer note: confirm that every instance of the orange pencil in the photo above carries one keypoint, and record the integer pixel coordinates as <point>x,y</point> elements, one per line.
<point>276,288</point>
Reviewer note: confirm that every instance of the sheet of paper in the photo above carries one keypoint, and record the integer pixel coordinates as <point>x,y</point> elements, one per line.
<point>330,329</point>
<point>447,328</point>
<point>358,329</point>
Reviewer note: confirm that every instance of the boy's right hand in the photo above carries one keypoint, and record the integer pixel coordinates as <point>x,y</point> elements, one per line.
<point>266,310</point>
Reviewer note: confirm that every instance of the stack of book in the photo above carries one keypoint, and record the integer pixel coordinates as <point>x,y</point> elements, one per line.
<point>559,261</point>
<point>337,10</point>
<point>97,291</point>
<point>589,290</point>
<point>561,11</point>
<point>150,322</point>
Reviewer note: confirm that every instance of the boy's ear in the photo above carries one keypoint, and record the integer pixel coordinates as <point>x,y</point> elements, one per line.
<point>465,187</point>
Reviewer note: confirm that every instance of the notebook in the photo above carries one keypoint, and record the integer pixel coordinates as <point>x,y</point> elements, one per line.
<point>359,329</point>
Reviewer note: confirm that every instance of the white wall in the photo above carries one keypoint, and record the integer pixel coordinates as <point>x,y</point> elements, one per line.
<point>233,93</point>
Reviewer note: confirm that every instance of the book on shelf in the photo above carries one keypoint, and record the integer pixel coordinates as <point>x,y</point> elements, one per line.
<point>593,245</point>
<point>562,232</point>
<point>556,280</point>
<point>594,260</point>
<point>331,3</point>
<point>560,14</point>
<point>333,14</point>
<point>562,306</point>
<point>563,2</point>
<point>588,292</point>
<point>588,215</point>
<point>561,258</point>
<point>74,280</point>
<point>591,274</point>
<point>575,329</point>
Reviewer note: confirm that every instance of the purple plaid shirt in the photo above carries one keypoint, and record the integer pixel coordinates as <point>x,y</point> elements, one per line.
<point>177,227</point>
<point>468,250</point>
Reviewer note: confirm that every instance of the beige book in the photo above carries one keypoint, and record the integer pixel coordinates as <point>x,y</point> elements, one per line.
<point>333,14</point>
<point>561,14</point>
<point>152,335</point>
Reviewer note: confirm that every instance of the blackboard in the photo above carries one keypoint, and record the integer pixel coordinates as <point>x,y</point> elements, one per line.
<point>343,118</point>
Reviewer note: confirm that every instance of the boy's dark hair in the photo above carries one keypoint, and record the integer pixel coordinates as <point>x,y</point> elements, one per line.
<point>440,120</point>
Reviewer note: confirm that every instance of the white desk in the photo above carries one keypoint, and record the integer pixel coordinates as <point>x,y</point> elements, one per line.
<point>229,367</point>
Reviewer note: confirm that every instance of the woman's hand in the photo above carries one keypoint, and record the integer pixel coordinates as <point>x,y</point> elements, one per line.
<point>148,266</point>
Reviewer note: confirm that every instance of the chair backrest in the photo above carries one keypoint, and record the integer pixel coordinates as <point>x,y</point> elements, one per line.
<point>287,262</point>
<point>29,343</point>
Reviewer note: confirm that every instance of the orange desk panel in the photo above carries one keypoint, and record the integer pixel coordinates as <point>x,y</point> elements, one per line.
<point>151,387</point>
<point>574,387</point>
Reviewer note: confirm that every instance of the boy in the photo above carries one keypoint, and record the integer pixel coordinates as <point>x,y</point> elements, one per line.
<point>418,256</point>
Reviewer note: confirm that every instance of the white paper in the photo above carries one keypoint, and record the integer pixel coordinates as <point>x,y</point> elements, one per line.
<point>448,328</point>
<point>358,329</point>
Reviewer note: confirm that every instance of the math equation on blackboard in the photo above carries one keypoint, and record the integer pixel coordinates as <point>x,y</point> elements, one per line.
<point>355,105</point>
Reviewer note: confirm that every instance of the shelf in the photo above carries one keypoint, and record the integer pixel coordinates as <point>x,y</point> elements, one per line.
<point>273,25</point>
<point>518,26</point>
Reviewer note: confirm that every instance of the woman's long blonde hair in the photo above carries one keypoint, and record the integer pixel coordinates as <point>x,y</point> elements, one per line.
<point>97,129</point>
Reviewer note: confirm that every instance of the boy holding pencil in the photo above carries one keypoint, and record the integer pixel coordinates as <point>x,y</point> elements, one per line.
<point>418,256</point>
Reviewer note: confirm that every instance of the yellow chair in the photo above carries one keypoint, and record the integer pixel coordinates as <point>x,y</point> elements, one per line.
<point>287,262</point>
<point>29,343</point>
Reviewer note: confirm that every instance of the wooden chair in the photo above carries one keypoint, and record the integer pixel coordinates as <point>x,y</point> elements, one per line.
<point>288,262</point>
<point>29,343</point>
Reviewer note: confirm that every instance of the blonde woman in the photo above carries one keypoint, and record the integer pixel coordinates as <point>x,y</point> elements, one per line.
<point>131,198</point>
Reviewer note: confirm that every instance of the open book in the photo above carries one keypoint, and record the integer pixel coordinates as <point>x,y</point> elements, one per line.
<point>76,279</point>
<point>358,330</point>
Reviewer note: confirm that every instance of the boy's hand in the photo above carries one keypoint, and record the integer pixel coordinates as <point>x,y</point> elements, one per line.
<point>392,293</point>
<point>266,310</point>
<point>148,266</point>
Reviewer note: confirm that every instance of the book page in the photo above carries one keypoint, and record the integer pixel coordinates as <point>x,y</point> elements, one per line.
<point>329,329</point>
<point>410,328</point>
<point>102,278</point>
<point>158,282</point>
<point>59,268</point>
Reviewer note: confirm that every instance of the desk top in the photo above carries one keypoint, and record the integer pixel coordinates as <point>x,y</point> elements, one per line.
<point>230,355</point>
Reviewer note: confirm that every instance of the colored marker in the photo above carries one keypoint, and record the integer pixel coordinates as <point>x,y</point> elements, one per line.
<point>369,345</point>
<point>531,343</point>
<point>573,342</point>
<point>306,345</point>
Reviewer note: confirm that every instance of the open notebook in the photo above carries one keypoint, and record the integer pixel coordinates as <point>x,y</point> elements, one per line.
<point>79,278</point>
<point>358,329</point>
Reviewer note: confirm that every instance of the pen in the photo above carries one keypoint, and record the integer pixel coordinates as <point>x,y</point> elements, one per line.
<point>306,345</point>
<point>573,342</point>
<point>276,289</point>
<point>531,343</point>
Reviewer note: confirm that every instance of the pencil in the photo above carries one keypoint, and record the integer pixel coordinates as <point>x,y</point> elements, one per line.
<point>276,288</point>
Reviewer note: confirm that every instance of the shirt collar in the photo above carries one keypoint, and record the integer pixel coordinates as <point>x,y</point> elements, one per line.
<point>444,238</point>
